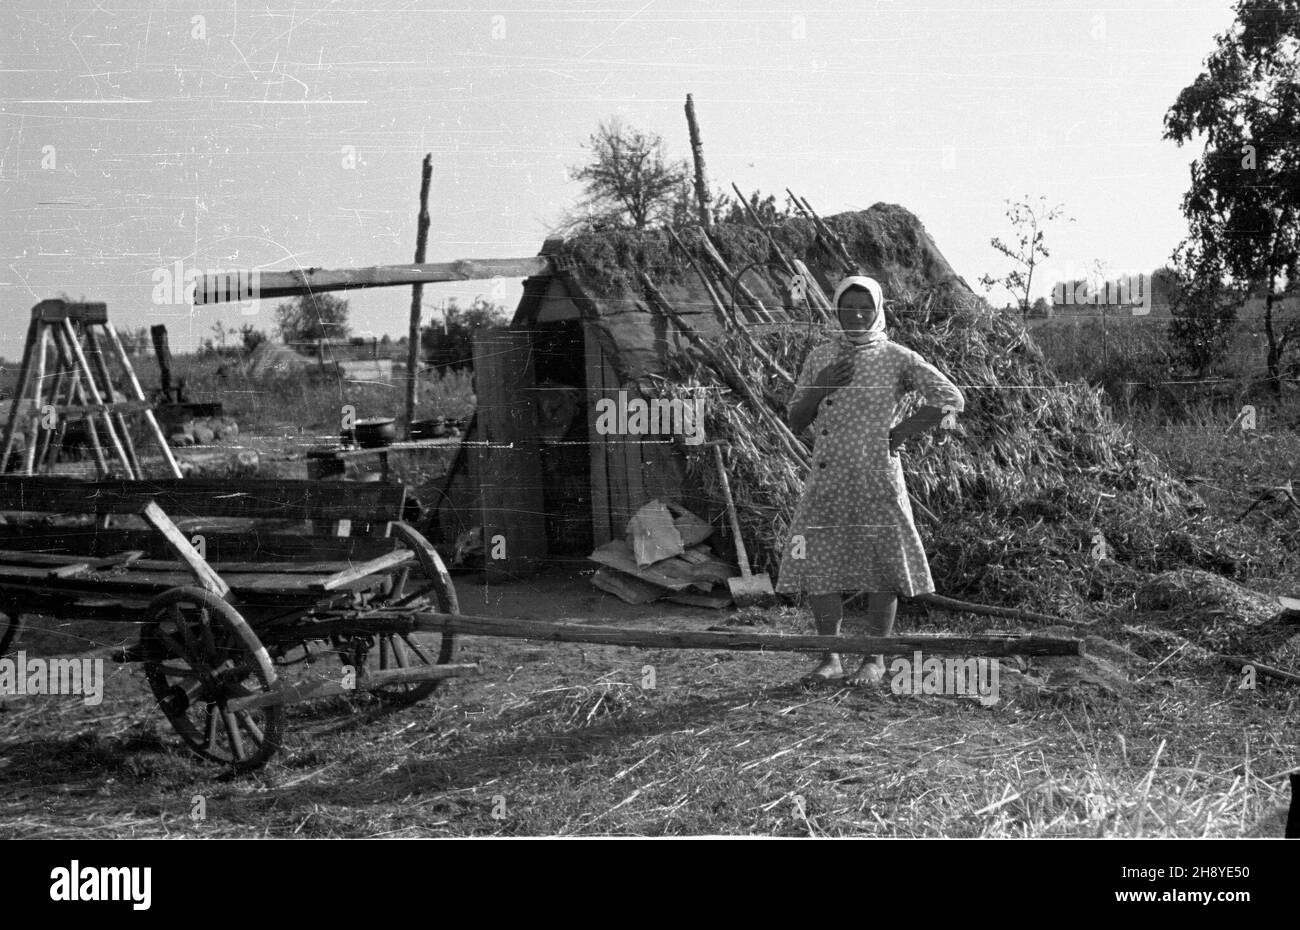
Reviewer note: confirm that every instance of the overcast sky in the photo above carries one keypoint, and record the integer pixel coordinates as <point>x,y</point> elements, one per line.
<point>288,135</point>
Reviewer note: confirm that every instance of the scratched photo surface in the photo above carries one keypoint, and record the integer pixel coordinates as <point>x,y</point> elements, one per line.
<point>650,418</point>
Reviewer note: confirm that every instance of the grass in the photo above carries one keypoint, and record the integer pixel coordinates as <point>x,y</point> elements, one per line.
<point>562,740</point>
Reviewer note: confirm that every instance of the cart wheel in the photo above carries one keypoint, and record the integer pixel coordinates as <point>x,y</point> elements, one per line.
<point>13,622</point>
<point>212,656</point>
<point>399,650</point>
<point>373,652</point>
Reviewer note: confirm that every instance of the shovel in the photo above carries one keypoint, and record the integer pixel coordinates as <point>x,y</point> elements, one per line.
<point>749,588</point>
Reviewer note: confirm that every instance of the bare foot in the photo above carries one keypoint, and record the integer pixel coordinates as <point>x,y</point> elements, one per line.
<point>870,672</point>
<point>829,668</point>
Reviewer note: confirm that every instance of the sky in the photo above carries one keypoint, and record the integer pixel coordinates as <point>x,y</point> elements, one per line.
<point>134,135</point>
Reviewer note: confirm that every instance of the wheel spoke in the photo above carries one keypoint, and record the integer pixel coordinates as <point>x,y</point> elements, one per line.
<point>415,647</point>
<point>177,648</point>
<point>399,653</point>
<point>210,727</point>
<point>251,726</point>
<point>233,734</point>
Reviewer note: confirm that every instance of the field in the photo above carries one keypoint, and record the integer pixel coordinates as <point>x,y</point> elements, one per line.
<point>1149,737</point>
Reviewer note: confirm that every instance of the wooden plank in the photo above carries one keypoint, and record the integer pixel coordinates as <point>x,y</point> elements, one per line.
<point>202,571</point>
<point>248,550</point>
<point>245,284</point>
<point>82,411</point>
<point>626,587</point>
<point>251,498</point>
<point>601,525</point>
<point>508,470</point>
<point>617,554</point>
<point>710,601</point>
<point>993,645</point>
<point>140,582</point>
<point>357,572</point>
<point>121,560</point>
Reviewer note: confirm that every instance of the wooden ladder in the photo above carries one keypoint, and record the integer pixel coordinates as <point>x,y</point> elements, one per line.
<point>78,386</point>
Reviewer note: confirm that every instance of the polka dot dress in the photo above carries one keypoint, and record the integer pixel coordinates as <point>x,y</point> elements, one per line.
<point>853,528</point>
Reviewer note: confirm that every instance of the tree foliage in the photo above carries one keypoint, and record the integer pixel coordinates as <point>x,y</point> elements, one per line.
<point>1243,206</point>
<point>309,317</point>
<point>629,181</point>
<point>449,343</point>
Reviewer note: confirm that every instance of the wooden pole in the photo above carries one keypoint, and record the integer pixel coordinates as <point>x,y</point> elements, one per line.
<point>991,645</point>
<point>73,346</point>
<point>37,413</point>
<point>137,393</point>
<point>417,293</point>
<point>697,153</point>
<point>15,405</point>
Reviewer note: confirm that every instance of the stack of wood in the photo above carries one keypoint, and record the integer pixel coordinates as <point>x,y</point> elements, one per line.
<point>664,557</point>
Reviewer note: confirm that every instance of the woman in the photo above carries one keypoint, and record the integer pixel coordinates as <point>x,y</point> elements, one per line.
<point>853,527</point>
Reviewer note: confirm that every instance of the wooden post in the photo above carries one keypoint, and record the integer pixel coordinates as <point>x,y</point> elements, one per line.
<point>24,378</point>
<point>137,393</point>
<point>417,293</point>
<point>697,153</point>
<point>42,343</point>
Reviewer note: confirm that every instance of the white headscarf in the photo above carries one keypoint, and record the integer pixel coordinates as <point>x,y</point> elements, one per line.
<point>876,329</point>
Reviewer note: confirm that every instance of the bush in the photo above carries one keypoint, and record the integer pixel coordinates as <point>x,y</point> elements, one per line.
<point>449,344</point>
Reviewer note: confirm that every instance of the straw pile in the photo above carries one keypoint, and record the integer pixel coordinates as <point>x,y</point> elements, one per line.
<point>1038,474</point>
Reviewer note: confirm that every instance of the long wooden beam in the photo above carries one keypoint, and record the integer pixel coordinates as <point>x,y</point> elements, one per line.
<point>313,688</point>
<point>992,645</point>
<point>245,284</point>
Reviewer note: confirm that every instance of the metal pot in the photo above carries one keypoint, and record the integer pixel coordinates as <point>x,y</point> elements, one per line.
<point>375,432</point>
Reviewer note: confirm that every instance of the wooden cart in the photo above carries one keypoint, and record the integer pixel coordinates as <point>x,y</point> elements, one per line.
<point>243,588</point>
<point>263,570</point>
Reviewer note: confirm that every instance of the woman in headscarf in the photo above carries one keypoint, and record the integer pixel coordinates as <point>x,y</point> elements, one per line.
<point>853,528</point>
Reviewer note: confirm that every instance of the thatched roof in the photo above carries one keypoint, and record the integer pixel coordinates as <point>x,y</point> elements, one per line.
<point>602,277</point>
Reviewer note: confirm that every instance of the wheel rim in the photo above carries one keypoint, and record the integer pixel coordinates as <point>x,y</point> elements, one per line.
<point>209,657</point>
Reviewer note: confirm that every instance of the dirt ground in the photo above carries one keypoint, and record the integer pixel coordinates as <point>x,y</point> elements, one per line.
<point>558,739</point>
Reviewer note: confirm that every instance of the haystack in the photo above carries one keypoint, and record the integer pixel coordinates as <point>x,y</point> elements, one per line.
<point>1037,475</point>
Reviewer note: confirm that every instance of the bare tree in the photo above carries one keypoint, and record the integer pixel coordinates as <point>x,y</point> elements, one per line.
<point>1029,222</point>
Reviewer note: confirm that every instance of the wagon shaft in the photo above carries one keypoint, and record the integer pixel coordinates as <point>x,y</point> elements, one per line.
<point>996,645</point>
<point>317,688</point>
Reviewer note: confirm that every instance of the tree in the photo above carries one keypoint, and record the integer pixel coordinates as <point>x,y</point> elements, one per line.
<point>1243,206</point>
<point>309,317</point>
<point>726,209</point>
<point>449,343</point>
<point>1029,223</point>
<point>251,337</point>
<point>1204,305</point>
<point>1041,310</point>
<point>629,180</point>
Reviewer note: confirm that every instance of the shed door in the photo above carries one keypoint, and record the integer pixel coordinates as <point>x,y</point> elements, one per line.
<point>506,464</point>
